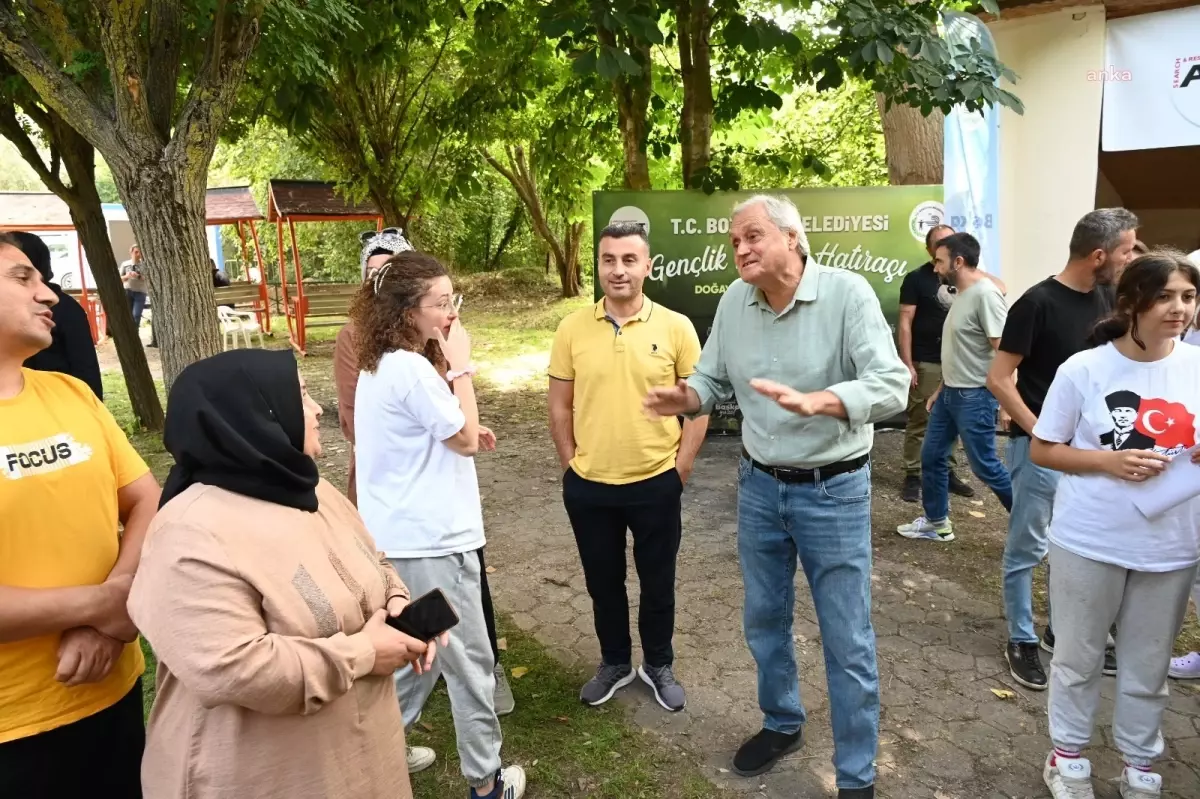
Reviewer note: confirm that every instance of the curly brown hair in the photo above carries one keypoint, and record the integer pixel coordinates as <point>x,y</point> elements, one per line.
<point>383,319</point>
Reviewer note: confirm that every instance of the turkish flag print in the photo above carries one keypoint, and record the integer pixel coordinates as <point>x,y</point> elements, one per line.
<point>1168,423</point>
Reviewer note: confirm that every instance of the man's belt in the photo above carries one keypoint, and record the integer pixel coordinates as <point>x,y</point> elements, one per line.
<point>790,474</point>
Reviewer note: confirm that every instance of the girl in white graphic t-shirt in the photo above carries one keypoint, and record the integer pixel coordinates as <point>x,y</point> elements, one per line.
<point>1187,667</point>
<point>1114,416</point>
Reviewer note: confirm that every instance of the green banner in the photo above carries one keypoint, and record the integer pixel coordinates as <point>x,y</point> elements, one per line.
<point>878,232</point>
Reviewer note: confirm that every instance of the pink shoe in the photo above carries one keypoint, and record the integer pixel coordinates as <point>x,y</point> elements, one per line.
<point>1186,667</point>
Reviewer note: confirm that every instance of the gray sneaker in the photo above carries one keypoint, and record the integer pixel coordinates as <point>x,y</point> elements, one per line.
<point>607,681</point>
<point>662,679</point>
<point>503,697</point>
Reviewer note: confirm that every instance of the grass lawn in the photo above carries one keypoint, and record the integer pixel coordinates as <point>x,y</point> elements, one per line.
<point>569,750</point>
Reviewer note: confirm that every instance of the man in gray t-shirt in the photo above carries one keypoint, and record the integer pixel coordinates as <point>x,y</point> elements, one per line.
<point>962,405</point>
<point>134,278</point>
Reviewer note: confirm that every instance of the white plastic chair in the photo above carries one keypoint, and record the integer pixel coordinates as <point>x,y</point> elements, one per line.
<point>235,323</point>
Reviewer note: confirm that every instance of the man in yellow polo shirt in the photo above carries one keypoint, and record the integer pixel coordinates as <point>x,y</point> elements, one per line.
<point>70,665</point>
<point>623,469</point>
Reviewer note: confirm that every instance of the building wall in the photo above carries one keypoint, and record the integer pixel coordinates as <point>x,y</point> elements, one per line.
<point>1048,165</point>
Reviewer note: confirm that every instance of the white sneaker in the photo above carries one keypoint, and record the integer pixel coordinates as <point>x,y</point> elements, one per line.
<point>922,528</point>
<point>1137,784</point>
<point>512,783</point>
<point>1069,778</point>
<point>420,758</point>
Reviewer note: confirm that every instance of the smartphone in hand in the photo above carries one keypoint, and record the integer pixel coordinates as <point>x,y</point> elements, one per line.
<point>427,617</point>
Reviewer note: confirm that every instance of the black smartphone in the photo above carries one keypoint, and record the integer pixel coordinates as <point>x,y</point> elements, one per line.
<point>426,617</point>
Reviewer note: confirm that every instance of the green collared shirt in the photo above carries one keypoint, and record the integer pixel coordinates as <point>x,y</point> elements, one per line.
<point>833,337</point>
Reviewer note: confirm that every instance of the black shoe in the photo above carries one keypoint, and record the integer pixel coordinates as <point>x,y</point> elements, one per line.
<point>1048,641</point>
<point>912,488</point>
<point>857,793</point>
<point>960,488</point>
<point>1025,665</point>
<point>1110,662</point>
<point>759,754</point>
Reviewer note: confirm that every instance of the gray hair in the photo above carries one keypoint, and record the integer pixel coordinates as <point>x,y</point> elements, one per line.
<point>1101,230</point>
<point>782,212</point>
<point>623,230</point>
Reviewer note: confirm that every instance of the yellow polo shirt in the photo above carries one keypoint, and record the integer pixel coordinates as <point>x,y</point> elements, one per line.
<point>613,370</point>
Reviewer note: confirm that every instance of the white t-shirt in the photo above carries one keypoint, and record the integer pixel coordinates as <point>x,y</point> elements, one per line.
<point>1101,400</point>
<point>1192,337</point>
<point>418,497</point>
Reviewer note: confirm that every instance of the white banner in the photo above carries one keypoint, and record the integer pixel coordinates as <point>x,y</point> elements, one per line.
<point>1152,81</point>
<point>971,156</point>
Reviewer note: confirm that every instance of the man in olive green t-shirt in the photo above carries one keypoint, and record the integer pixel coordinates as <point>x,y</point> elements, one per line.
<point>962,405</point>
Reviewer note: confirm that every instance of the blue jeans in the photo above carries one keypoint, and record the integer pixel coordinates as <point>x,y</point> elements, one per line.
<point>1028,528</point>
<point>828,525</point>
<point>137,304</point>
<point>969,414</point>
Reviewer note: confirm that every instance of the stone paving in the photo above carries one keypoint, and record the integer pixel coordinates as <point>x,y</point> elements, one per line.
<point>945,734</point>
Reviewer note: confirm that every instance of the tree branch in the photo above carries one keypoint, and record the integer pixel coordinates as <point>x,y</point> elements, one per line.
<point>10,128</point>
<point>214,91</point>
<point>166,53</point>
<point>53,86</point>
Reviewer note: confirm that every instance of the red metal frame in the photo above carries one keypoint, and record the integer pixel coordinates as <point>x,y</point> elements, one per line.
<point>297,322</point>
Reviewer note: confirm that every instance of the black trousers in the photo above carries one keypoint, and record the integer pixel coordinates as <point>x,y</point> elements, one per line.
<point>99,756</point>
<point>600,514</point>
<point>489,615</point>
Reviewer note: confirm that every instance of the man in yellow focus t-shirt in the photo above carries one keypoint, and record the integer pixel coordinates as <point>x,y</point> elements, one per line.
<point>625,470</point>
<point>70,665</point>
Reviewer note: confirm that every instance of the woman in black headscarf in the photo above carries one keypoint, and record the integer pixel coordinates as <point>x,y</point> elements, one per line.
<point>72,350</point>
<point>265,601</point>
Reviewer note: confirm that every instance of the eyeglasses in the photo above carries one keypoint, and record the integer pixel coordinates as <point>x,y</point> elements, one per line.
<point>367,235</point>
<point>454,302</point>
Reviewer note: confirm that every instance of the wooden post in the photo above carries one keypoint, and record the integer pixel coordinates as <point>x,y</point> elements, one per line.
<point>262,279</point>
<point>287,308</point>
<point>301,303</point>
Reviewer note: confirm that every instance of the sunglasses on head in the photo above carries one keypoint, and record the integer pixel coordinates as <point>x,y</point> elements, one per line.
<point>367,235</point>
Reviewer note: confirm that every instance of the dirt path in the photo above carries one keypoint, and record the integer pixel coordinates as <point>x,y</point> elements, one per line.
<point>937,612</point>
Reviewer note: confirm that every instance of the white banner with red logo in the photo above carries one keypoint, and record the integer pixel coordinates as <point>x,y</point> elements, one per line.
<point>1152,81</point>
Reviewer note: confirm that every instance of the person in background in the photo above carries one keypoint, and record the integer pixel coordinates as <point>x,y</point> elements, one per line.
<point>70,665</point>
<point>377,248</point>
<point>924,301</point>
<point>416,430</point>
<point>136,287</point>
<point>72,350</point>
<point>266,603</point>
<point>220,279</point>
<point>1046,326</point>
<point>622,470</point>
<point>811,359</point>
<point>1097,576</point>
<point>962,406</point>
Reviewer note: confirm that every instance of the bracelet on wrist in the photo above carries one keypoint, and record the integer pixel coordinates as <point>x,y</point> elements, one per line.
<point>454,374</point>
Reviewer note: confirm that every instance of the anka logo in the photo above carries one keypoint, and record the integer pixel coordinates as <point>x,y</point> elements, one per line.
<point>42,457</point>
<point>1185,87</point>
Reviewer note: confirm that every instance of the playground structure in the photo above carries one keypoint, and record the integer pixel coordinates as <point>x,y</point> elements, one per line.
<point>235,205</point>
<point>292,201</point>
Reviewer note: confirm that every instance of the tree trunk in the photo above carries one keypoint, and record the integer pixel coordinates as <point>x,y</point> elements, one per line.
<point>633,104</point>
<point>510,231</point>
<point>166,210</point>
<point>693,25</point>
<point>566,259</point>
<point>913,143</point>
<point>88,217</point>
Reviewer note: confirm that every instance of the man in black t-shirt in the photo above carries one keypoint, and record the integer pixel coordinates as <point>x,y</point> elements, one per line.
<point>924,302</point>
<point>1046,326</point>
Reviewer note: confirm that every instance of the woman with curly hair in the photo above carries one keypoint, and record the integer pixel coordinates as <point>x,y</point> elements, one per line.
<point>417,430</point>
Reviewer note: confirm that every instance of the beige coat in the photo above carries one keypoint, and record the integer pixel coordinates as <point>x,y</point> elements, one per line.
<point>255,613</point>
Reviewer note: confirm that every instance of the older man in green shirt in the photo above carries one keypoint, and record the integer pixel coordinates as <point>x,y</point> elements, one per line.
<point>809,356</point>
